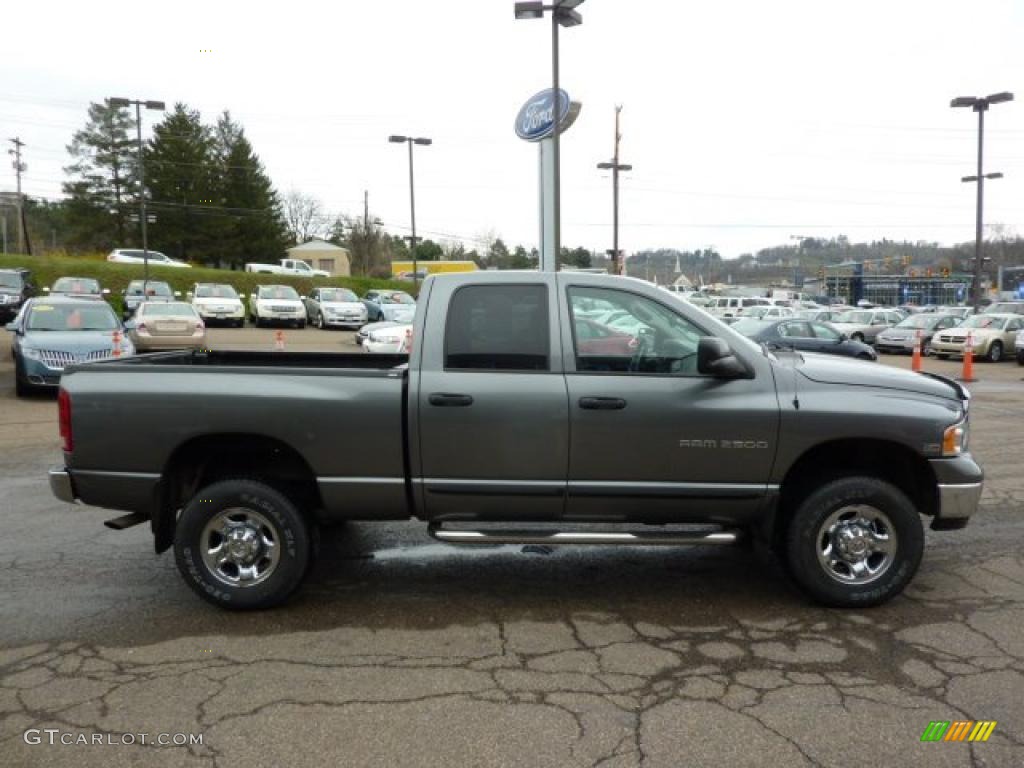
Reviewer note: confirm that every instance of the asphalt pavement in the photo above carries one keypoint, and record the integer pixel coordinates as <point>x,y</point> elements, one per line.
<point>403,652</point>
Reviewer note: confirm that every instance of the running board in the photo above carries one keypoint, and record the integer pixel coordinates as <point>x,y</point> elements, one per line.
<point>642,538</point>
<point>126,521</point>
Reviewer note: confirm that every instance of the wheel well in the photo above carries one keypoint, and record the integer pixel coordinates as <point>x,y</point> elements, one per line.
<point>882,459</point>
<point>203,460</point>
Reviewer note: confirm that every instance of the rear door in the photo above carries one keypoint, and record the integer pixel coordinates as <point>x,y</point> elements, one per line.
<point>492,404</point>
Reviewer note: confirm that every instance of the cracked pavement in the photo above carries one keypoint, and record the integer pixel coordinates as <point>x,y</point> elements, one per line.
<point>403,652</point>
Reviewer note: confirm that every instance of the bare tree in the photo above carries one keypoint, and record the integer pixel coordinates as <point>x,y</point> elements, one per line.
<point>304,217</point>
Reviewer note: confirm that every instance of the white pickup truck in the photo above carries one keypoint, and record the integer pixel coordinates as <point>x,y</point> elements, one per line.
<point>287,267</point>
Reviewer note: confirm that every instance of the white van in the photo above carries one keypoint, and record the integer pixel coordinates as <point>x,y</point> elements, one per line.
<point>733,306</point>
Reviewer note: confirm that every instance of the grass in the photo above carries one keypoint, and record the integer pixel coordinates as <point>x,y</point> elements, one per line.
<point>46,269</point>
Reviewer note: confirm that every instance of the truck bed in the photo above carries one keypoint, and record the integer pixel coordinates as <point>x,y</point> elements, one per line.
<point>266,360</point>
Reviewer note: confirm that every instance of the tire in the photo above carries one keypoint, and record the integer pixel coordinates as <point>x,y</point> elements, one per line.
<point>258,514</point>
<point>300,324</point>
<point>858,337</point>
<point>319,320</point>
<point>995,352</point>
<point>815,562</point>
<point>926,348</point>
<point>942,355</point>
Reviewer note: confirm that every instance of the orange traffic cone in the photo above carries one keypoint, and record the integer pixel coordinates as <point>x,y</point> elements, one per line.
<point>279,341</point>
<point>116,338</point>
<point>915,358</point>
<point>968,372</point>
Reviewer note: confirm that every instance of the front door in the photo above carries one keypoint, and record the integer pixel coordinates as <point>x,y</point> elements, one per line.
<point>493,411</point>
<point>651,438</point>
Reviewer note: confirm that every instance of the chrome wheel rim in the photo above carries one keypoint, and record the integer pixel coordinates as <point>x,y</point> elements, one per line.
<point>856,544</point>
<point>240,547</point>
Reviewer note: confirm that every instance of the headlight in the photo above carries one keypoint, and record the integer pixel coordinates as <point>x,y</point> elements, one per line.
<point>31,354</point>
<point>954,439</point>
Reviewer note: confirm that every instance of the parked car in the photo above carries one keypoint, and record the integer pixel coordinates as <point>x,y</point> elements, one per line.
<point>166,325</point>
<point>903,336</point>
<point>382,304</point>
<point>390,340</point>
<point>992,336</point>
<point>16,287</point>
<point>819,315</point>
<point>593,338</point>
<point>139,291</point>
<point>363,333</point>
<point>287,267</point>
<point>335,308</point>
<point>82,287</point>
<point>770,313</point>
<point>55,331</point>
<point>137,256</point>
<point>276,304</point>
<point>217,303</point>
<point>495,430</point>
<point>865,324</point>
<point>803,336</point>
<point>1004,308</point>
<point>961,312</point>
<point>734,306</point>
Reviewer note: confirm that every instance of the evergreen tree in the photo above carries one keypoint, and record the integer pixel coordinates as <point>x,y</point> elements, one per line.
<point>102,184</point>
<point>182,183</point>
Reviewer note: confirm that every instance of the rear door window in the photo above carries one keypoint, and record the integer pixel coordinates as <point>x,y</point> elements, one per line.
<point>498,328</point>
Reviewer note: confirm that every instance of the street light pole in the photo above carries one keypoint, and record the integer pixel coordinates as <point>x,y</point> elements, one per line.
<point>412,197</point>
<point>615,166</point>
<point>139,104</point>
<point>980,105</point>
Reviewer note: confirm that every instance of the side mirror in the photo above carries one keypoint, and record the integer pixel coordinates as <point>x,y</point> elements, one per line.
<point>714,357</point>
<point>12,327</point>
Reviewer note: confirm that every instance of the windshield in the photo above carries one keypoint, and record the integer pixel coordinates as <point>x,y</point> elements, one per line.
<point>10,281</point>
<point>920,321</point>
<point>216,292</point>
<point>171,309</point>
<point>396,298</point>
<point>278,292</point>
<point>135,288</point>
<point>337,294</point>
<point>142,254</point>
<point>861,318</point>
<point>76,285</point>
<point>982,321</point>
<point>71,317</point>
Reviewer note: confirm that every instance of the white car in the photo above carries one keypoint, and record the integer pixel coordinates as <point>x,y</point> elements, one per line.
<point>287,267</point>
<point>217,303</point>
<point>389,340</point>
<point>136,256</point>
<point>276,304</point>
<point>769,313</point>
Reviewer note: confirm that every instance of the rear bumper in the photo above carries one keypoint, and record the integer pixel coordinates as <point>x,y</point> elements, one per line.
<point>61,485</point>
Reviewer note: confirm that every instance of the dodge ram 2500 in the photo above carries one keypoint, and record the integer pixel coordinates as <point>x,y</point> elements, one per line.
<point>508,423</point>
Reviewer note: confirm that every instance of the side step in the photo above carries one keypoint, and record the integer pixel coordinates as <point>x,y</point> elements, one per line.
<point>126,521</point>
<point>551,537</point>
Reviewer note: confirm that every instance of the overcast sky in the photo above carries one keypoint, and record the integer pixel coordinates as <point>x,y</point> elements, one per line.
<point>746,122</point>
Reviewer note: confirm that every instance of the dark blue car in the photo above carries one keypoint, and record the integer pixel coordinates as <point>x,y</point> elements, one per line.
<point>804,336</point>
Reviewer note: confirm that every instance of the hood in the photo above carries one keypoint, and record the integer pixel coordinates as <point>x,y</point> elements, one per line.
<point>398,311</point>
<point>904,333</point>
<point>852,326</point>
<point>831,369</point>
<point>70,341</point>
<point>343,306</point>
<point>976,333</point>
<point>282,302</point>
<point>206,301</point>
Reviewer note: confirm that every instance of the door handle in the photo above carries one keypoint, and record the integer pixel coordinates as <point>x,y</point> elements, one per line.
<point>444,400</point>
<point>602,403</point>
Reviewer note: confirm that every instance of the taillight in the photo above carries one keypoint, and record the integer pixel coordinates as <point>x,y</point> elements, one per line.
<point>64,417</point>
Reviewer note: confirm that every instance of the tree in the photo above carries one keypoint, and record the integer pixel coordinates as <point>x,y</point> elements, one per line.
<point>183,183</point>
<point>498,256</point>
<point>304,217</point>
<point>522,259</point>
<point>577,257</point>
<point>367,246</point>
<point>252,226</point>
<point>428,250</point>
<point>102,180</point>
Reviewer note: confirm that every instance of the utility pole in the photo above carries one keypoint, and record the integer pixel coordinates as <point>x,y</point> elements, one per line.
<point>19,168</point>
<point>366,211</point>
<point>615,166</point>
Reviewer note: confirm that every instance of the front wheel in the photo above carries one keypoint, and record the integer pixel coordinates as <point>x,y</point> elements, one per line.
<point>856,542</point>
<point>995,352</point>
<point>241,544</point>
<point>858,337</point>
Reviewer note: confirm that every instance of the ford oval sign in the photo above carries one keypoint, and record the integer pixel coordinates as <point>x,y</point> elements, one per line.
<point>536,118</point>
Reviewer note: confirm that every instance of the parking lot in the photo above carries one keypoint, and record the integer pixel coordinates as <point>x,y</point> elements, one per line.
<point>402,652</point>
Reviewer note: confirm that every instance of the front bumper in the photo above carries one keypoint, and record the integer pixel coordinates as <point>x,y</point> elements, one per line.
<point>339,321</point>
<point>960,482</point>
<point>894,345</point>
<point>61,485</point>
<point>957,348</point>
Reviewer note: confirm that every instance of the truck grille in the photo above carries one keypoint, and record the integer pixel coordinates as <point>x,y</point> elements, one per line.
<point>283,309</point>
<point>54,358</point>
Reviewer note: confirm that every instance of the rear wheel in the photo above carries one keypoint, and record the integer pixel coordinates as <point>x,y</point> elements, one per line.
<point>854,543</point>
<point>858,337</point>
<point>318,321</point>
<point>995,352</point>
<point>241,544</point>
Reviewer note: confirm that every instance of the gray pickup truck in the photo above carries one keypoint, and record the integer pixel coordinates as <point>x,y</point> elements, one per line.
<point>517,419</point>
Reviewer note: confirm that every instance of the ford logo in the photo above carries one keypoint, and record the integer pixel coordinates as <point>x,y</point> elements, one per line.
<point>536,118</point>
